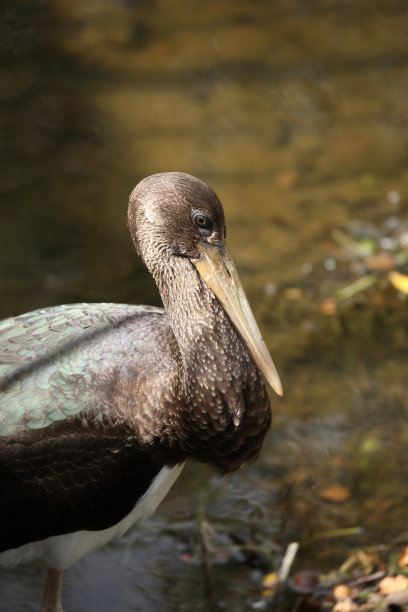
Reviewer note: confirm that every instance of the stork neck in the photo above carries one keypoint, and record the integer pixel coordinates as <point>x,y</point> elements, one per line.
<point>211,352</point>
<point>227,411</point>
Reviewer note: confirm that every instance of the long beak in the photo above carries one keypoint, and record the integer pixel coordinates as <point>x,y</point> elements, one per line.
<point>219,272</point>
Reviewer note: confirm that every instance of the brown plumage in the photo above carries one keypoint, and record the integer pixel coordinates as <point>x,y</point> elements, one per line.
<point>99,401</point>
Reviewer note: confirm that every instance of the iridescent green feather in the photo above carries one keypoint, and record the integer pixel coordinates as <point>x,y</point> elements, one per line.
<point>49,359</point>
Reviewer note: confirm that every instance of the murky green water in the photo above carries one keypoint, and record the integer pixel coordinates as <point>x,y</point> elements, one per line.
<point>295,112</point>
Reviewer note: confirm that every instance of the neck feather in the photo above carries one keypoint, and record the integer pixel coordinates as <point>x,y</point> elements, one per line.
<point>227,411</point>
<point>216,364</point>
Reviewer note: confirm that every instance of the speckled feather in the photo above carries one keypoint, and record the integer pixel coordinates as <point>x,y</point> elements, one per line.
<point>49,359</point>
<point>97,398</point>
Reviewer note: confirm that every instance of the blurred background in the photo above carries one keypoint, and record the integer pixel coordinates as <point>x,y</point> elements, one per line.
<point>296,114</point>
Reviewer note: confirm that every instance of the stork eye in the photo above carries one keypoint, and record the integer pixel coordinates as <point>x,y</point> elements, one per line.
<point>202,221</point>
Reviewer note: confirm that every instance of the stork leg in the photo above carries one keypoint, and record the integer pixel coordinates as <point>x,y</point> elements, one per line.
<point>52,593</point>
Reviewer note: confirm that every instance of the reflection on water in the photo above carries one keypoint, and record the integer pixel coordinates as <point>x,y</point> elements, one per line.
<point>296,114</point>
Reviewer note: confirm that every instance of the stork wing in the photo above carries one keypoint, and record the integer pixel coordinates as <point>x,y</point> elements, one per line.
<point>49,359</point>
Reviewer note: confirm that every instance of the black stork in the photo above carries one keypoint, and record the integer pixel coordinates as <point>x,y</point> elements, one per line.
<point>102,404</point>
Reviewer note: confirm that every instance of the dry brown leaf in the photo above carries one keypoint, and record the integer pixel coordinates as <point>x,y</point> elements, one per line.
<point>336,493</point>
<point>403,558</point>
<point>340,591</point>
<point>390,584</point>
<point>305,581</point>
<point>336,461</point>
<point>328,307</point>
<point>381,262</point>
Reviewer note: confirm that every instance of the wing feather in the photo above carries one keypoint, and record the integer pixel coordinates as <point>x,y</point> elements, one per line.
<point>49,359</point>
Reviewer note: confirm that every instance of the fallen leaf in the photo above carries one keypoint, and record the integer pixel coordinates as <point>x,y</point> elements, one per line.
<point>403,558</point>
<point>399,281</point>
<point>304,582</point>
<point>336,461</point>
<point>269,581</point>
<point>328,307</point>
<point>390,584</point>
<point>345,605</point>
<point>340,591</point>
<point>293,293</point>
<point>360,559</point>
<point>365,247</point>
<point>336,493</point>
<point>397,600</point>
<point>381,261</point>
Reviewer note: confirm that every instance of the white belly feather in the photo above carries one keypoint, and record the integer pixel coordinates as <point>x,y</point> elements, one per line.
<point>61,551</point>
